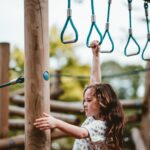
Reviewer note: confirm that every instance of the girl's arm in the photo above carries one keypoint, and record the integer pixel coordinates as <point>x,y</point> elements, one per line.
<point>49,122</point>
<point>75,131</point>
<point>95,68</point>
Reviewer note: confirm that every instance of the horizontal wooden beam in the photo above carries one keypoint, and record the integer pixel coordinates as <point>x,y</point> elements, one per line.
<point>12,142</point>
<point>20,123</point>
<point>17,92</point>
<point>19,140</point>
<point>76,107</point>
<point>55,91</point>
<point>133,118</point>
<point>15,110</point>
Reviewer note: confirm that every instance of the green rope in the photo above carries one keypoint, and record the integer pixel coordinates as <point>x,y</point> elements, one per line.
<point>130,15</point>
<point>132,72</point>
<point>107,31</point>
<point>69,3</point>
<point>108,13</point>
<point>92,7</point>
<point>92,26</point>
<point>148,32</point>
<point>69,19</point>
<point>19,80</point>
<point>130,33</point>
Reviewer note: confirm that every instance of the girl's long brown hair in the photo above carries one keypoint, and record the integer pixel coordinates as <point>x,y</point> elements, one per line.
<point>112,112</point>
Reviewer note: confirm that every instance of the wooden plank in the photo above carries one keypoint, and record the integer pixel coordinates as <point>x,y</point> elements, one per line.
<point>4,92</point>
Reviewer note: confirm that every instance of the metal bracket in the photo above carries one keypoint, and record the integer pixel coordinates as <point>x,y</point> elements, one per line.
<point>69,12</point>
<point>107,26</point>
<point>130,7</point>
<point>148,37</point>
<point>93,18</point>
<point>130,31</point>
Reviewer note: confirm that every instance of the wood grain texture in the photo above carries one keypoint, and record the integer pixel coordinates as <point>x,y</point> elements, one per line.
<point>4,92</point>
<point>146,111</point>
<point>36,63</point>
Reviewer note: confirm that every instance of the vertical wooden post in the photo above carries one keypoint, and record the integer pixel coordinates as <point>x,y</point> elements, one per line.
<point>146,111</point>
<point>4,95</point>
<point>37,92</point>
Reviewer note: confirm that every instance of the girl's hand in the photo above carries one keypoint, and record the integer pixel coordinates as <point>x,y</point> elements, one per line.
<point>46,122</point>
<point>95,47</point>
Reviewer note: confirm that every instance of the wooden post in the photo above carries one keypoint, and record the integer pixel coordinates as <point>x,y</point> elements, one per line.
<point>36,63</point>
<point>146,111</point>
<point>4,95</point>
<point>148,1</point>
<point>137,139</point>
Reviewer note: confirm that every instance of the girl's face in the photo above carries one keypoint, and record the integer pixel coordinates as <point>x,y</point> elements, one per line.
<point>91,105</point>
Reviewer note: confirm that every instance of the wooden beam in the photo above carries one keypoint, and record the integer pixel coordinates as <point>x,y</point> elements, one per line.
<point>16,124</point>
<point>17,99</point>
<point>37,92</point>
<point>133,118</point>
<point>4,92</point>
<point>137,139</point>
<point>12,142</point>
<point>17,111</point>
<point>76,107</point>
<point>20,123</point>
<point>56,90</point>
<point>19,140</point>
<point>57,134</point>
<point>145,124</point>
<point>17,92</point>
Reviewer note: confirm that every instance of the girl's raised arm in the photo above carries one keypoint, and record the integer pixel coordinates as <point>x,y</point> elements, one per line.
<point>95,76</point>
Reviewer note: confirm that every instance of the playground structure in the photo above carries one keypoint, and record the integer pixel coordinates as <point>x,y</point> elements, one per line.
<point>37,98</point>
<point>59,110</point>
<point>131,37</point>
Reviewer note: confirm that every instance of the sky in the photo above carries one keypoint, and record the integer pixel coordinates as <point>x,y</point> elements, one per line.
<point>12,25</point>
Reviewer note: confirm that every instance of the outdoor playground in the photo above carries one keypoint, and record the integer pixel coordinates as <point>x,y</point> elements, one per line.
<point>32,87</point>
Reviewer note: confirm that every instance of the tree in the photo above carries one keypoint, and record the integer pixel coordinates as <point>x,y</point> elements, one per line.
<point>16,66</point>
<point>65,60</point>
<point>125,85</point>
<point>59,52</point>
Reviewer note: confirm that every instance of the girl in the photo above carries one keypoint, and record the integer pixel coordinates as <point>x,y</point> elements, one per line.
<point>103,128</point>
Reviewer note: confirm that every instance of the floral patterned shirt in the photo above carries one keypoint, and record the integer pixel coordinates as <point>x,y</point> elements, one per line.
<point>96,129</point>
